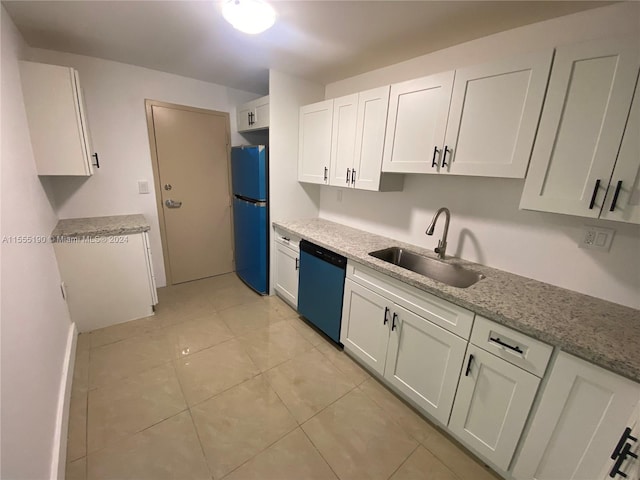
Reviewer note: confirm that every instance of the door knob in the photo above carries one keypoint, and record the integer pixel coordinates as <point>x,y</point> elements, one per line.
<point>172,203</point>
<point>167,186</point>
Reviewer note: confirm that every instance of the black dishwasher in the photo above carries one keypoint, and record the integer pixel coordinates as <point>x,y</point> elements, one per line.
<point>321,287</point>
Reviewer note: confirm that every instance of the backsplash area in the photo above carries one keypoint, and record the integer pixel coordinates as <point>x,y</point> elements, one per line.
<point>488,228</point>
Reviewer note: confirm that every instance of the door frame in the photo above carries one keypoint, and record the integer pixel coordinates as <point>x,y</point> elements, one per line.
<point>148,104</point>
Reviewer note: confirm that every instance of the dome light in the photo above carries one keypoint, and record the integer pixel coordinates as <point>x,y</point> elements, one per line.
<point>249,16</point>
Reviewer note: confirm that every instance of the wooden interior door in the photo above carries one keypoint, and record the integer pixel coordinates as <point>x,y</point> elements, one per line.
<point>192,158</point>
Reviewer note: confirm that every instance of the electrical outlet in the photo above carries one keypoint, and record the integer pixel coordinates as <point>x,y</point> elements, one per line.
<point>596,238</point>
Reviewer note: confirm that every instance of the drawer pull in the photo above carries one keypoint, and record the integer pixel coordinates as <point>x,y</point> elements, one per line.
<point>434,163</point>
<point>297,264</point>
<point>626,435</point>
<point>386,312</point>
<point>593,196</point>
<point>393,321</point>
<point>286,239</point>
<point>466,374</point>
<point>506,345</point>
<point>626,452</point>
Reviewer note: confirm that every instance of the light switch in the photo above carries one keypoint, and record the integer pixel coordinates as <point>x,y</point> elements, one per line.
<point>143,186</point>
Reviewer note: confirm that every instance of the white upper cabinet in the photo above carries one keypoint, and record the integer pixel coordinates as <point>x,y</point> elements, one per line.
<point>314,147</point>
<point>622,202</point>
<point>483,123</point>
<point>581,128</point>
<point>357,141</point>
<point>57,122</point>
<point>343,140</point>
<point>253,115</point>
<point>416,124</point>
<point>494,113</point>
<point>371,124</point>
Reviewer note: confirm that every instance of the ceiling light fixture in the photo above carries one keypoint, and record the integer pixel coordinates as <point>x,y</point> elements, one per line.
<point>249,16</point>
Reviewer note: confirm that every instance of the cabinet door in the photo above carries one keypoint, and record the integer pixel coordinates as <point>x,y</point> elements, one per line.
<point>581,128</point>
<point>583,411</point>
<point>314,156</point>
<point>623,197</point>
<point>242,119</point>
<point>57,121</point>
<point>416,124</point>
<point>287,273</point>
<point>494,113</point>
<point>630,466</point>
<point>365,325</point>
<point>373,106</point>
<point>424,362</point>
<point>492,405</point>
<point>343,140</point>
<point>106,283</point>
<point>261,113</point>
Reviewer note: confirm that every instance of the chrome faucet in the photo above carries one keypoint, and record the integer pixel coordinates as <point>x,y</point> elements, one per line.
<point>442,243</point>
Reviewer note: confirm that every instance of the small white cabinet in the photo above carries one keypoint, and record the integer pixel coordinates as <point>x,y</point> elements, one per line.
<point>352,128</point>
<point>108,279</point>
<point>482,123</point>
<point>581,129</point>
<point>580,420</point>
<point>314,143</point>
<point>423,362</point>
<point>417,122</point>
<point>357,141</point>
<point>253,115</point>
<point>496,390</point>
<point>287,265</point>
<point>392,330</point>
<point>57,120</point>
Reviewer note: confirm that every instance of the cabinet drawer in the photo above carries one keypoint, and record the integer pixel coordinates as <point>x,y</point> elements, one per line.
<point>445,314</point>
<point>514,347</point>
<point>288,240</point>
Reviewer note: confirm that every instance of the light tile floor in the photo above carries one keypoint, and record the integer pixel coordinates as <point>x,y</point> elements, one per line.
<point>223,383</point>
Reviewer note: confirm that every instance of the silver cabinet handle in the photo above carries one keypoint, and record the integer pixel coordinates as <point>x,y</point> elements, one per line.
<point>172,203</point>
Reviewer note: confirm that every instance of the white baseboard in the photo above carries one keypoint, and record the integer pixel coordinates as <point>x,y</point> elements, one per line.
<point>59,453</point>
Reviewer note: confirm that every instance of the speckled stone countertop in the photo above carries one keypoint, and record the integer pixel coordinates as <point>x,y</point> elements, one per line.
<point>598,331</point>
<point>100,226</point>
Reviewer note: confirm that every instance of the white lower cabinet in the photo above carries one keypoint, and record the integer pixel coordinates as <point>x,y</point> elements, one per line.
<point>287,266</point>
<point>580,421</point>
<point>419,358</point>
<point>492,405</point>
<point>107,281</point>
<point>423,362</point>
<point>365,331</point>
<point>497,387</point>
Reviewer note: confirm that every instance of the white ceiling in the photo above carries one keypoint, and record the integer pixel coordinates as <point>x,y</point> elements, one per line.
<point>323,41</point>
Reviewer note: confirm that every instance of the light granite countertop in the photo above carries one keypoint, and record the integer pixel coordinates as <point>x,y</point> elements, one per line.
<point>100,226</point>
<point>604,333</point>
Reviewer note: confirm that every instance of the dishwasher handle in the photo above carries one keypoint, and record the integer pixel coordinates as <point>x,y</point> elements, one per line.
<point>323,254</point>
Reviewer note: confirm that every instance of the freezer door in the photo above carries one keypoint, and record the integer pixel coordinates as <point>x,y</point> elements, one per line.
<point>249,172</point>
<point>250,235</point>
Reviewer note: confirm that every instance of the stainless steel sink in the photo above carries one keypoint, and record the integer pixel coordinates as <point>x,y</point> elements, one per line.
<point>453,275</point>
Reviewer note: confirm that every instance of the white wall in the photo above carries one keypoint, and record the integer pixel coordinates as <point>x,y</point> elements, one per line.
<point>487,226</point>
<point>35,320</point>
<point>114,95</point>
<point>288,198</point>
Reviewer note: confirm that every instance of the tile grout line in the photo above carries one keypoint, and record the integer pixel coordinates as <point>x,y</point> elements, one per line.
<point>404,461</point>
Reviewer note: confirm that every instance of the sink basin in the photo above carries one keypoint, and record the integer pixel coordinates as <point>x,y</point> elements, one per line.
<point>453,275</point>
